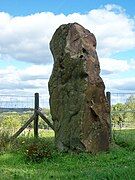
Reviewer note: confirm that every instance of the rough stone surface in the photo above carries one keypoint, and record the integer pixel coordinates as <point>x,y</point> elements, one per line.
<point>79,108</point>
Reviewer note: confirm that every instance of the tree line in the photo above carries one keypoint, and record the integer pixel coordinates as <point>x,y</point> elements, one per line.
<point>123,112</point>
<point>12,121</point>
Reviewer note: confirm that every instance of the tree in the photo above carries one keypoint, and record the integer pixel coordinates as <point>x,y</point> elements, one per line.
<point>118,116</point>
<point>10,122</point>
<point>130,102</point>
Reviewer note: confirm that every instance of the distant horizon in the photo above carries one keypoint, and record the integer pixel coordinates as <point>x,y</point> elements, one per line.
<point>28,102</point>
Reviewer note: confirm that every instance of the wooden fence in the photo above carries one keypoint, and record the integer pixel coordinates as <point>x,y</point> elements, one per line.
<point>35,118</point>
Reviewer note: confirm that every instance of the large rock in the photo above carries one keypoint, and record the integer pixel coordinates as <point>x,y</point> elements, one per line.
<point>78,105</point>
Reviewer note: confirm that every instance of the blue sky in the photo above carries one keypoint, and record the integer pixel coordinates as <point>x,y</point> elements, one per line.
<point>26,27</point>
<point>26,7</point>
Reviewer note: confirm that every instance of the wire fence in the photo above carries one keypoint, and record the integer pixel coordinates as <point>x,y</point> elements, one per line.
<point>17,109</point>
<point>123,118</point>
<point>21,102</point>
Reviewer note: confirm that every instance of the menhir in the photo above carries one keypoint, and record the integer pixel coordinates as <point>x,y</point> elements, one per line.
<point>78,105</point>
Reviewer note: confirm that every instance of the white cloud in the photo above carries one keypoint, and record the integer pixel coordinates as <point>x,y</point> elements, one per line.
<point>133,63</point>
<point>111,66</point>
<point>122,84</point>
<point>114,30</point>
<point>27,38</point>
<point>118,75</point>
<point>25,81</point>
<point>36,72</point>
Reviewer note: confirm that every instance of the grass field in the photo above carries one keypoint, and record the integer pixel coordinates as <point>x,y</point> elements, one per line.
<point>125,138</point>
<point>118,163</point>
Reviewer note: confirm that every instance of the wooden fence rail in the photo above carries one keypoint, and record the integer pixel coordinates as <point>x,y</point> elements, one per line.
<point>35,118</point>
<point>108,96</point>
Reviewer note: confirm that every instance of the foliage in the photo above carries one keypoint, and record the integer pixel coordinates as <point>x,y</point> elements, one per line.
<point>4,136</point>
<point>37,151</point>
<point>12,121</point>
<point>131,102</point>
<point>131,106</point>
<point>119,117</point>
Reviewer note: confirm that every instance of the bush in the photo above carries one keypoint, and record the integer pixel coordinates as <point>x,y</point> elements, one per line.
<point>37,151</point>
<point>4,136</point>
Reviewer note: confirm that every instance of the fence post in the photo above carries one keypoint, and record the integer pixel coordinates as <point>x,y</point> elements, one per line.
<point>36,116</point>
<point>108,96</point>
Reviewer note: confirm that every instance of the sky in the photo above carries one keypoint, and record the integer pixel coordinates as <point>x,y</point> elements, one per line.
<point>27,26</point>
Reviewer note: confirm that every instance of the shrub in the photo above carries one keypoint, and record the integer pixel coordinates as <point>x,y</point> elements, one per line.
<point>38,150</point>
<point>4,136</point>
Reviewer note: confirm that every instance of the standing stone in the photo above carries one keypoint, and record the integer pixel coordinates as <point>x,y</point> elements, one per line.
<point>78,105</point>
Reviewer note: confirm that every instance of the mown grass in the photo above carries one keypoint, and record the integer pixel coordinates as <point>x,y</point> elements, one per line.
<point>118,163</point>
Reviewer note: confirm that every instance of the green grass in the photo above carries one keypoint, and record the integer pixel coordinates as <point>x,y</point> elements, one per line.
<point>118,163</point>
<point>125,138</point>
